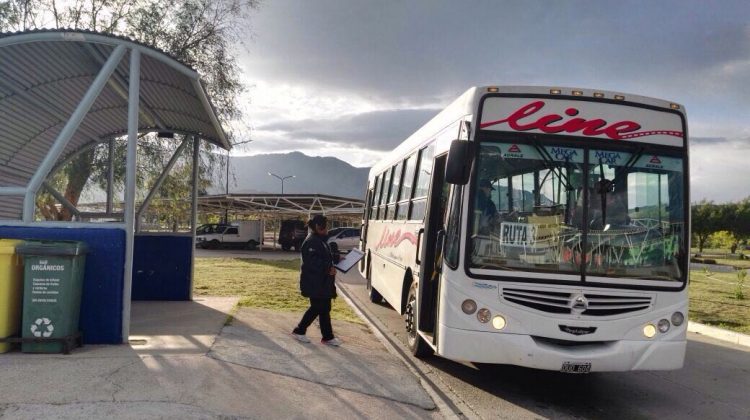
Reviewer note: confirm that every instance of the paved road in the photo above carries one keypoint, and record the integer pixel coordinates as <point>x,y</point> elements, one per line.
<point>715,383</point>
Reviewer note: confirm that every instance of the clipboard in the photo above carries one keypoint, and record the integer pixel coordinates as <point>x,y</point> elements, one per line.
<point>351,259</point>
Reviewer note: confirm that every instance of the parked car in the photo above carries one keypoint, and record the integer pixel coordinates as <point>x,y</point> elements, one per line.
<point>346,239</point>
<point>292,234</point>
<point>334,231</point>
<point>246,234</point>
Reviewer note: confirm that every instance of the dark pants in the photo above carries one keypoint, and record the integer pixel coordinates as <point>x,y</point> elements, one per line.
<point>320,308</point>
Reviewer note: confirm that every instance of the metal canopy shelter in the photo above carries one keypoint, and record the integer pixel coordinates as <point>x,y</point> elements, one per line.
<point>286,204</point>
<point>64,92</point>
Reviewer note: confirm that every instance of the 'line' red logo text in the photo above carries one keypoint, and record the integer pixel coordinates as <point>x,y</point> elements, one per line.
<point>522,120</point>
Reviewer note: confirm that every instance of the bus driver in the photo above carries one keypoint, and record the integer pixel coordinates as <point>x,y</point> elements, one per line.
<point>488,216</point>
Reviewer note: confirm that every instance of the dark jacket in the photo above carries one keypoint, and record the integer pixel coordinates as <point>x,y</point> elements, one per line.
<point>315,282</point>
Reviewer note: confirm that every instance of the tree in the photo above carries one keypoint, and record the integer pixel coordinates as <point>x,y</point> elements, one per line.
<point>742,220</point>
<point>706,218</point>
<point>200,33</point>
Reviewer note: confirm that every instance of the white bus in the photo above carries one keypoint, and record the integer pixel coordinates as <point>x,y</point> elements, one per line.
<point>539,227</point>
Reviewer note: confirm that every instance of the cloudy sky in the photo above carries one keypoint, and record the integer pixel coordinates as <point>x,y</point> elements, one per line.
<point>353,78</point>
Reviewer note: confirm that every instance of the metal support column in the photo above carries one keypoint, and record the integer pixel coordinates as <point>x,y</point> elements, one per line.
<point>61,198</point>
<point>194,207</point>
<point>130,174</point>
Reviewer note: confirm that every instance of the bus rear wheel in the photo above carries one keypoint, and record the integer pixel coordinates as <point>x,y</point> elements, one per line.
<point>414,341</point>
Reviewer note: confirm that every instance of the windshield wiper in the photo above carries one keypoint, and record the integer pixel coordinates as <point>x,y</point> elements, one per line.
<point>630,163</point>
<point>550,164</point>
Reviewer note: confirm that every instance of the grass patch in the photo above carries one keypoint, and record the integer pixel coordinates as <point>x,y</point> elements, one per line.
<point>713,302</point>
<point>260,284</point>
<point>275,285</point>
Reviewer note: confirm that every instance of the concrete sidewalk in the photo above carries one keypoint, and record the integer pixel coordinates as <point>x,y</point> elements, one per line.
<point>183,362</point>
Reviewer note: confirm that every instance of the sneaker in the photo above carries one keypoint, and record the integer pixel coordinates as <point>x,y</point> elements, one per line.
<point>335,342</point>
<point>301,338</point>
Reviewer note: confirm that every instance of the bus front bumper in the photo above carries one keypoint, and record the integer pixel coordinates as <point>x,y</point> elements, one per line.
<point>538,353</point>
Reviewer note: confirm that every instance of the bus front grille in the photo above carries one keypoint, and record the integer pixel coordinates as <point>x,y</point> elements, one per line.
<point>597,304</point>
<point>569,344</point>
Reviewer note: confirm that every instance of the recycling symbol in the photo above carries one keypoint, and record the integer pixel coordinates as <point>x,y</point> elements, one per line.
<point>42,327</point>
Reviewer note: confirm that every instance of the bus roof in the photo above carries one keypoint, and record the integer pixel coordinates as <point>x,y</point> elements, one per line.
<point>468,103</point>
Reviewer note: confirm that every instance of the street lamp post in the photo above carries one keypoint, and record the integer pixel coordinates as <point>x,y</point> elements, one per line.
<point>282,179</point>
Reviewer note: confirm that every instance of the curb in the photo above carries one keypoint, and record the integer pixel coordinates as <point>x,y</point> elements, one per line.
<point>719,334</point>
<point>443,403</point>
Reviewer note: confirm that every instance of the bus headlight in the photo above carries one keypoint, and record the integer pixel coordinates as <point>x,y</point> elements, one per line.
<point>484,315</point>
<point>663,325</point>
<point>649,330</point>
<point>677,319</point>
<point>469,306</point>
<point>498,322</point>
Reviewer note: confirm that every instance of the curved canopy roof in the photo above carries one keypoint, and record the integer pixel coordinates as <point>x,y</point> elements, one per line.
<point>286,204</point>
<point>45,74</point>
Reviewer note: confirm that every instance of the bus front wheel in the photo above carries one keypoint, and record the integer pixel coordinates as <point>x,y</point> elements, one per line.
<point>414,341</point>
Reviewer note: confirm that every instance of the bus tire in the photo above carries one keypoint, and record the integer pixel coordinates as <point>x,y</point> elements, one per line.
<point>414,341</point>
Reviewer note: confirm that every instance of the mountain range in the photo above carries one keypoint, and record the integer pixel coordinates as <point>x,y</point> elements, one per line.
<point>312,175</point>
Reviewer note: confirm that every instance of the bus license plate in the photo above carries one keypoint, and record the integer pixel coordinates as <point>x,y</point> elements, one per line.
<point>571,367</point>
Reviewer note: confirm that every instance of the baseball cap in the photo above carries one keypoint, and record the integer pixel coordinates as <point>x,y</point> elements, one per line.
<point>485,183</point>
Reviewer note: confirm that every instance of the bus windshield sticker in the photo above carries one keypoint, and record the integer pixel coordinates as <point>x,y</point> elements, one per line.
<point>662,163</point>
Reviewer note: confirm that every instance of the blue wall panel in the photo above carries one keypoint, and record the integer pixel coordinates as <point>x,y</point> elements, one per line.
<point>162,267</point>
<point>101,301</point>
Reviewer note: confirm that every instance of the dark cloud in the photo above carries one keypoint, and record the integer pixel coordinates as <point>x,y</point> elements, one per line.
<point>424,53</point>
<point>421,49</point>
<point>378,130</point>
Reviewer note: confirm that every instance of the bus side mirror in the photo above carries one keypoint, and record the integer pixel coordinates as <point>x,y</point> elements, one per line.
<point>458,166</point>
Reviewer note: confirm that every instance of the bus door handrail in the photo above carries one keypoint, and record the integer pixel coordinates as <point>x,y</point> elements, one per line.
<point>420,233</point>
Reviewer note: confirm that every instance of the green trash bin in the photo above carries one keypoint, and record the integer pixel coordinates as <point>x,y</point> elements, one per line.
<point>53,280</point>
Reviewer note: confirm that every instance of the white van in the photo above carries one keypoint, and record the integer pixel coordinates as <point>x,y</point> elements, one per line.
<point>246,234</point>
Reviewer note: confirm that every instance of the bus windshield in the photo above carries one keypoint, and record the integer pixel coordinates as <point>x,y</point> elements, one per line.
<point>578,211</point>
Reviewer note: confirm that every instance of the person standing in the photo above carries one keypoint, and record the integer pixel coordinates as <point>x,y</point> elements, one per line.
<point>317,282</point>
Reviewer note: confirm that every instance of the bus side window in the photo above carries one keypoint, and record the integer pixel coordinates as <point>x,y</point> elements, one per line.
<point>374,199</point>
<point>393,196</point>
<point>424,174</point>
<point>384,194</point>
<point>402,211</point>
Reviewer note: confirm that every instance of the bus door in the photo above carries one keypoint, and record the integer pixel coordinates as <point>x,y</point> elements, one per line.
<point>363,227</point>
<point>431,247</point>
